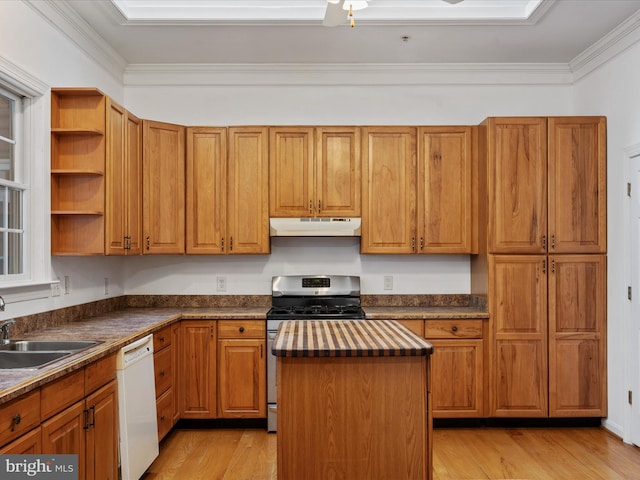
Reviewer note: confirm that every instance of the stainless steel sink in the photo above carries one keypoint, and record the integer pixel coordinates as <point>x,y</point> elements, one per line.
<point>33,354</point>
<point>15,359</point>
<point>47,345</point>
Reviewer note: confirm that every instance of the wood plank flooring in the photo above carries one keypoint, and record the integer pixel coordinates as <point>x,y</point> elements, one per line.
<point>458,454</point>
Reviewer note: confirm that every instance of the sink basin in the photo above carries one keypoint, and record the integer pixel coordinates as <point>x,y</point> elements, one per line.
<point>33,354</point>
<point>47,345</point>
<point>15,359</point>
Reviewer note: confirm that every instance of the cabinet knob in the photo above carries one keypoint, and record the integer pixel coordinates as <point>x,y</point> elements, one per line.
<point>16,419</point>
<point>241,329</point>
<point>162,339</point>
<point>162,373</point>
<point>454,328</point>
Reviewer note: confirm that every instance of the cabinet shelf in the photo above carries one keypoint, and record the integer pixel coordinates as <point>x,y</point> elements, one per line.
<point>76,171</point>
<point>76,131</point>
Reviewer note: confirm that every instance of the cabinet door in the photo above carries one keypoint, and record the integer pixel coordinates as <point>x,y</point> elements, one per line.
<point>337,172</point>
<point>577,185</point>
<point>164,175</point>
<point>29,443</point>
<point>248,194</point>
<point>242,376</point>
<point>133,158</point>
<point>206,190</point>
<point>444,189</point>
<point>456,378</point>
<point>518,349</point>
<point>116,218</point>
<point>291,171</point>
<point>577,336</point>
<point>64,434</point>
<point>198,378</point>
<point>388,190</point>
<point>102,434</point>
<point>517,176</point>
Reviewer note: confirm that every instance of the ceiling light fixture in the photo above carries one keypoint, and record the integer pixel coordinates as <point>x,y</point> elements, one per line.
<point>333,15</point>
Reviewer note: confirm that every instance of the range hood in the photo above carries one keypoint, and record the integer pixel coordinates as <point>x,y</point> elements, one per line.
<point>315,227</point>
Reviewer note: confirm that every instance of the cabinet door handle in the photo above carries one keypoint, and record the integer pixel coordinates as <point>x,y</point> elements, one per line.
<point>92,416</point>
<point>544,242</point>
<point>310,207</point>
<point>86,419</point>
<point>319,206</point>
<point>148,242</point>
<point>413,244</point>
<point>421,243</point>
<point>553,242</point>
<point>544,266</point>
<point>553,266</point>
<point>222,244</point>
<point>161,373</point>
<point>260,350</point>
<point>231,244</point>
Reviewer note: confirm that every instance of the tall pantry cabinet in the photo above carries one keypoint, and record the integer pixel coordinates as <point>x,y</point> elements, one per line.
<point>544,255</point>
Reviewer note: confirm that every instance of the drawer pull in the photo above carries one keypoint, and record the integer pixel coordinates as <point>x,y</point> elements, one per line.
<point>454,329</point>
<point>162,339</point>
<point>15,420</point>
<point>162,373</point>
<point>241,329</point>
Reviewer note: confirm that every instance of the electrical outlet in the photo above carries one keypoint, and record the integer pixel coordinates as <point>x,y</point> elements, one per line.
<point>55,289</point>
<point>388,282</point>
<point>67,285</point>
<point>106,285</point>
<point>221,284</point>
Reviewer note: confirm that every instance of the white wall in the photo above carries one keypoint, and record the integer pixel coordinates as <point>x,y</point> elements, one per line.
<point>614,90</point>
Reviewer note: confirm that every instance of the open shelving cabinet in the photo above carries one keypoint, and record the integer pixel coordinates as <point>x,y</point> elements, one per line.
<point>78,126</point>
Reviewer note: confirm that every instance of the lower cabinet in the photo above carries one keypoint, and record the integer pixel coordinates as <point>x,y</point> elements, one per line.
<point>29,443</point>
<point>198,369</point>
<point>242,391</point>
<point>457,368</point>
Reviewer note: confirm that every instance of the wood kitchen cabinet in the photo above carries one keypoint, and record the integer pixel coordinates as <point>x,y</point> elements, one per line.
<point>84,405</point>
<point>577,336</point>
<point>123,182</point>
<point>227,190</point>
<point>19,417</point>
<point>29,443</point>
<point>417,204</point>
<point>242,391</point>
<point>163,188</point>
<point>546,184</point>
<point>314,172</point>
<point>78,133</point>
<point>457,367</point>
<point>444,202</point>
<point>389,177</point>
<point>198,369</point>
<point>163,363</point>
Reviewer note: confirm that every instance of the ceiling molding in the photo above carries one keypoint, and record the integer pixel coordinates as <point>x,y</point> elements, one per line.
<point>346,74</point>
<point>19,80</point>
<point>612,44</point>
<point>65,19</point>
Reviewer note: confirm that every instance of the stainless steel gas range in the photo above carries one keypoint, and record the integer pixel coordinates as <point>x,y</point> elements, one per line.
<point>307,297</point>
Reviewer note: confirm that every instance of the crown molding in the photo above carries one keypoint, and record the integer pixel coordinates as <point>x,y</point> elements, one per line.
<point>19,80</point>
<point>65,19</point>
<point>608,47</point>
<point>346,74</point>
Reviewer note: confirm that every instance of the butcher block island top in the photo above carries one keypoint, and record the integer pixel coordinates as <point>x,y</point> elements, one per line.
<point>347,338</point>
<point>353,401</point>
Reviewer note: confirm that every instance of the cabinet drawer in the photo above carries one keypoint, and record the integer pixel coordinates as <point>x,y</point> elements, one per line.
<point>59,394</point>
<point>162,370</point>
<point>99,373</point>
<point>416,326</point>
<point>460,328</point>
<point>242,329</point>
<point>164,409</point>
<point>162,338</point>
<point>19,416</point>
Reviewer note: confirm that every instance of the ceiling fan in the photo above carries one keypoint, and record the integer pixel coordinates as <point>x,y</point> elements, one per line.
<point>339,12</point>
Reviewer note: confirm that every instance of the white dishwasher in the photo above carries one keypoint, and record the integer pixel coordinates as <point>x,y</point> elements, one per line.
<point>137,408</point>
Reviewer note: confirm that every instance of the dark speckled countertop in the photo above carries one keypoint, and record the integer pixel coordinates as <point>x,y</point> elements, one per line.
<point>133,317</point>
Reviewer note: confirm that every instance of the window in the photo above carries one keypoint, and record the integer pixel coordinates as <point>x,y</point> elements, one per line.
<point>12,189</point>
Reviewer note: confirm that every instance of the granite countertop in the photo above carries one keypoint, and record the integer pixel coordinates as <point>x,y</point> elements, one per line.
<point>347,338</point>
<point>418,313</point>
<point>114,330</point>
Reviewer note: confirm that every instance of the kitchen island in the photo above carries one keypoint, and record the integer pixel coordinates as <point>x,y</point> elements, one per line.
<point>353,401</point>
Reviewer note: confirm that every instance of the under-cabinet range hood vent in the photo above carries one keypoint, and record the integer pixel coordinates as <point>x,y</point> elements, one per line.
<point>315,227</point>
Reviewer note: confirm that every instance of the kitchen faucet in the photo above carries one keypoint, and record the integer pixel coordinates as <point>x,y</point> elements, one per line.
<point>4,331</point>
<point>2,304</point>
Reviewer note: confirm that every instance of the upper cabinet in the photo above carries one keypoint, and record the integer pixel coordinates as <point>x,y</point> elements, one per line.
<point>314,172</point>
<point>227,190</point>
<point>124,182</point>
<point>418,205</point>
<point>163,188</point>
<point>78,130</point>
<point>445,171</point>
<point>547,184</point>
<point>389,178</point>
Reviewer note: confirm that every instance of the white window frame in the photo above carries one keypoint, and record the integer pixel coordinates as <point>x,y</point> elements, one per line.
<point>35,173</point>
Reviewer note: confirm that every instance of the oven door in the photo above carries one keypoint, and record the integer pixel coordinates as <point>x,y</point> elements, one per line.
<point>272,386</point>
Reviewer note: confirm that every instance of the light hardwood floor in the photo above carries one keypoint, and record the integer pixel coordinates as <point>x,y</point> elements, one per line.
<point>458,454</point>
